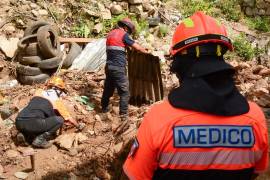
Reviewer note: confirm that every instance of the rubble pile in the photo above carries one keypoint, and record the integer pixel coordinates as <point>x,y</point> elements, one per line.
<point>96,142</point>
<point>253,81</point>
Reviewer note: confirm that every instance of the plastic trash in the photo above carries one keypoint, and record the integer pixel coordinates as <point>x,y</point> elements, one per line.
<point>9,84</point>
<point>92,57</point>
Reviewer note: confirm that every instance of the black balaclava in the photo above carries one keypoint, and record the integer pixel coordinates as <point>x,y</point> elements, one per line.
<point>213,93</point>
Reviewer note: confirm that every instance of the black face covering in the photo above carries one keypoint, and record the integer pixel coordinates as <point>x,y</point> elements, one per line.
<point>213,93</point>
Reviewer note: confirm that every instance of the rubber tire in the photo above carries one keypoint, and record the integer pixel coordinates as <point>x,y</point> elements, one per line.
<point>23,42</point>
<point>33,28</point>
<point>28,70</point>
<point>50,63</point>
<point>49,47</point>
<point>74,51</point>
<point>30,60</point>
<point>32,50</point>
<point>41,78</point>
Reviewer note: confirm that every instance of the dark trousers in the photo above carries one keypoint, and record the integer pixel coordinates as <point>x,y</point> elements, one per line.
<point>39,126</point>
<point>116,78</point>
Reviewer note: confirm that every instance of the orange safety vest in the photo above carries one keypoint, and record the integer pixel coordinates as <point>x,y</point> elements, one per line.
<point>56,102</point>
<point>178,139</point>
<point>115,39</point>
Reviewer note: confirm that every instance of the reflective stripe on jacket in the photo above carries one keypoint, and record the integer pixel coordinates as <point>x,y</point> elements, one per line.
<point>177,139</point>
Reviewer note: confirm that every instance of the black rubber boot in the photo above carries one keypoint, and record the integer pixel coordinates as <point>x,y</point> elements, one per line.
<point>21,139</point>
<point>41,141</point>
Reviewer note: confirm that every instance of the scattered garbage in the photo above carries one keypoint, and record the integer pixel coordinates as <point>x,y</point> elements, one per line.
<point>92,57</point>
<point>21,175</point>
<point>8,84</point>
<point>85,101</point>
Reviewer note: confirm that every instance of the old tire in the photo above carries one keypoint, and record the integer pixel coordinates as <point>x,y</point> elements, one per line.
<point>27,40</point>
<point>50,63</point>
<point>33,79</point>
<point>28,70</point>
<point>30,60</point>
<point>48,41</point>
<point>33,28</point>
<point>74,51</point>
<point>31,49</point>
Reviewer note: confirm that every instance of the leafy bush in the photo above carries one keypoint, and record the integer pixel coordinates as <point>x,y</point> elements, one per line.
<point>83,29</point>
<point>259,23</point>
<point>188,7</point>
<point>243,47</point>
<point>163,30</point>
<point>230,9</point>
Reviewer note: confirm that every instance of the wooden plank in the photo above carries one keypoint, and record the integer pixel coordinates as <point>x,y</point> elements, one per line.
<point>76,40</point>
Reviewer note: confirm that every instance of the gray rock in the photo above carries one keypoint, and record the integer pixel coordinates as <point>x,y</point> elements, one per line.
<point>98,28</point>
<point>147,7</point>
<point>9,29</point>
<point>35,13</point>
<point>138,9</point>
<point>91,13</point>
<point>261,4</point>
<point>72,152</point>
<point>43,12</point>
<point>118,147</point>
<point>250,2</point>
<point>4,2</point>
<point>267,12</point>
<point>116,9</point>
<point>135,1</point>
<point>154,21</point>
<point>33,5</point>
<point>124,5</point>
<point>101,7</point>
<point>249,11</point>
<point>106,14</point>
<point>12,153</point>
<point>8,46</point>
<point>261,12</point>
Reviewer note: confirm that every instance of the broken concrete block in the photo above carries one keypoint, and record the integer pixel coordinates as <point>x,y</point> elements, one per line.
<point>98,28</point>
<point>135,1</point>
<point>116,9</point>
<point>106,14</point>
<point>138,9</point>
<point>43,12</point>
<point>8,46</point>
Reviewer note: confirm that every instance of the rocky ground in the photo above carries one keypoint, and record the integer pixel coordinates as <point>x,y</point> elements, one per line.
<point>95,153</point>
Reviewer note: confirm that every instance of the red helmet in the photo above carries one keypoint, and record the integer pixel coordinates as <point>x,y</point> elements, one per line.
<point>199,29</point>
<point>127,22</point>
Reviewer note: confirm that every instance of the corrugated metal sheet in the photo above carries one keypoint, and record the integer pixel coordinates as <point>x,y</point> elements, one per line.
<point>92,57</point>
<point>145,80</point>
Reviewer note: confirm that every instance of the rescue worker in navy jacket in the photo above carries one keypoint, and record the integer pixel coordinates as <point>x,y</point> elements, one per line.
<point>117,41</point>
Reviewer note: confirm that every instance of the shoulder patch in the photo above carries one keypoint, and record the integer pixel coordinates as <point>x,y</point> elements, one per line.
<point>208,136</point>
<point>134,148</point>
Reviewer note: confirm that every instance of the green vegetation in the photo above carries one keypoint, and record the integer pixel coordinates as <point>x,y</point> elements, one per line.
<point>83,29</point>
<point>244,49</point>
<point>258,23</point>
<point>230,9</point>
<point>163,30</point>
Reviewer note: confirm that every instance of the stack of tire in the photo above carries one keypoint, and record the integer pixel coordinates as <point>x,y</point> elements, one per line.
<point>39,53</point>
